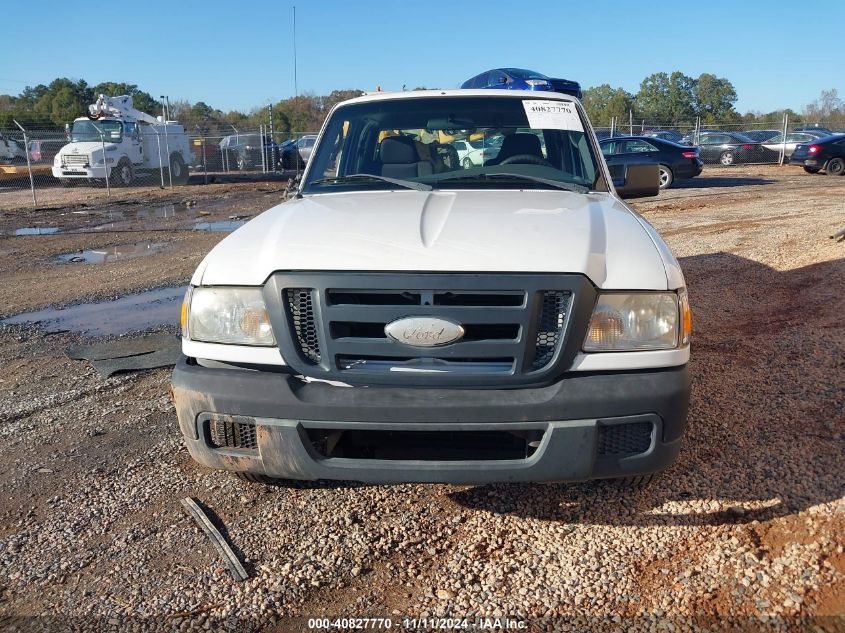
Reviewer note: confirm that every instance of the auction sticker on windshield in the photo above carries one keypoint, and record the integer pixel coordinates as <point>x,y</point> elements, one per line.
<point>552,115</point>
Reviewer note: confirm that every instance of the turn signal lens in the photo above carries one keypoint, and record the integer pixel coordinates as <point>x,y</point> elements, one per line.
<point>183,316</point>
<point>686,316</point>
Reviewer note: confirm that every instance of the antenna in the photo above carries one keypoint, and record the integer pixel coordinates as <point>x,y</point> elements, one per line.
<point>295,87</point>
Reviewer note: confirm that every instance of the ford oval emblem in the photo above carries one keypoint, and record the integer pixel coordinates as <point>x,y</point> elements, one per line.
<point>424,331</point>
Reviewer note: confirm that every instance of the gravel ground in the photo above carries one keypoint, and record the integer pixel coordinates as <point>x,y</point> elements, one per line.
<point>746,531</point>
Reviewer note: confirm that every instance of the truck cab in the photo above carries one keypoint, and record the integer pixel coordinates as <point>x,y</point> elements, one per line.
<point>406,317</point>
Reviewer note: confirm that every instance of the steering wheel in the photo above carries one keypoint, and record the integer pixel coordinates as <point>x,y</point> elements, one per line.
<point>527,159</point>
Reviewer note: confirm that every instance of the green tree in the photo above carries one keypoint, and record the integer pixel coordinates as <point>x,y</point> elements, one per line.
<point>714,98</point>
<point>667,99</point>
<point>603,102</point>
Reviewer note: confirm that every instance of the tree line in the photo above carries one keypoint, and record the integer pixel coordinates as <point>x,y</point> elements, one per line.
<point>662,99</point>
<point>677,99</point>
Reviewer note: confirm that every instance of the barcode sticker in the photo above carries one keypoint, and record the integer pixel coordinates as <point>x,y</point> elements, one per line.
<point>552,115</point>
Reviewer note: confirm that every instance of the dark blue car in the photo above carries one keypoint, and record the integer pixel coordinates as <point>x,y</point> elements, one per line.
<point>521,79</point>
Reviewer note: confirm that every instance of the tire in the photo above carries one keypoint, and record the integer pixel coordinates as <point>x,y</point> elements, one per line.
<point>123,174</point>
<point>466,163</point>
<point>638,481</point>
<point>835,167</point>
<point>256,479</point>
<point>811,170</point>
<point>666,177</point>
<point>67,183</point>
<point>726,158</point>
<point>178,169</point>
<point>240,161</point>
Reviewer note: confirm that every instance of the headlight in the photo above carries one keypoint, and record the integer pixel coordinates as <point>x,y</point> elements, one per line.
<point>638,321</point>
<point>226,315</point>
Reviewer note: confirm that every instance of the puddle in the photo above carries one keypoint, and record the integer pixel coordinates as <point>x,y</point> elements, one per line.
<point>112,253</point>
<point>222,226</point>
<point>37,230</point>
<point>128,314</point>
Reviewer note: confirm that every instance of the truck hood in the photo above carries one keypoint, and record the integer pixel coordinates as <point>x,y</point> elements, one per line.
<point>445,231</point>
<point>85,147</point>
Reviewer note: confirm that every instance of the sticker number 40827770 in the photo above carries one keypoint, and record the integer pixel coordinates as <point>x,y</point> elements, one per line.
<point>552,115</point>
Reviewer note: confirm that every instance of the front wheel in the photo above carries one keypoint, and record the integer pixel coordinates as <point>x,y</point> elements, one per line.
<point>666,177</point>
<point>836,167</point>
<point>467,163</point>
<point>241,162</point>
<point>178,169</point>
<point>727,158</point>
<point>123,174</point>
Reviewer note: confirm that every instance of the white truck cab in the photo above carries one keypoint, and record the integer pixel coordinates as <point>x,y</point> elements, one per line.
<point>408,317</point>
<point>118,142</point>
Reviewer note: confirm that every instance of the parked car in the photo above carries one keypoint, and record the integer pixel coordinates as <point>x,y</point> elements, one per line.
<point>522,79</point>
<point>207,155</point>
<point>666,135</point>
<point>729,148</point>
<point>675,161</point>
<point>289,157</point>
<point>474,153</point>
<point>243,151</point>
<point>826,153</point>
<point>517,328</point>
<point>305,145</point>
<point>792,140</point>
<point>11,150</point>
<point>761,136</point>
<point>602,133</point>
<point>814,128</point>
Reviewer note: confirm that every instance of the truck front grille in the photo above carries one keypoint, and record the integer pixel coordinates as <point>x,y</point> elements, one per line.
<point>515,326</point>
<point>75,160</point>
<point>300,304</point>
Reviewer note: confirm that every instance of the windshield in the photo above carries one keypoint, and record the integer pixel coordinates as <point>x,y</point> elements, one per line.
<point>521,73</point>
<point>90,131</point>
<point>522,143</point>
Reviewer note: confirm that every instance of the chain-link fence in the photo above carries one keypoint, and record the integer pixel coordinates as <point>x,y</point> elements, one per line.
<point>52,165</point>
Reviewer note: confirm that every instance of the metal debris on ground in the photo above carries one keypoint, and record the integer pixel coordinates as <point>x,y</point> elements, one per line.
<point>129,354</point>
<point>238,572</point>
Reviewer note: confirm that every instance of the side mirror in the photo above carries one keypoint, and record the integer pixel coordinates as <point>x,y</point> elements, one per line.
<point>638,180</point>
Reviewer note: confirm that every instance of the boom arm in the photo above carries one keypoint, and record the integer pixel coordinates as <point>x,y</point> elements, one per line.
<point>119,107</point>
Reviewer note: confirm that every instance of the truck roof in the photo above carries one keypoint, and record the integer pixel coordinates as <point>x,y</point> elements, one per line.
<point>475,92</point>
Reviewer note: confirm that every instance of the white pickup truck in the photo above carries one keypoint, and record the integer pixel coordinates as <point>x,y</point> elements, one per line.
<point>407,318</point>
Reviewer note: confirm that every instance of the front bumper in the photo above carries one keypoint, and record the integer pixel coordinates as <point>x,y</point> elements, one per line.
<point>78,171</point>
<point>569,415</point>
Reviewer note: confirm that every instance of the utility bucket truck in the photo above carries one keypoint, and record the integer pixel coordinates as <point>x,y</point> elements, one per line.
<point>116,141</point>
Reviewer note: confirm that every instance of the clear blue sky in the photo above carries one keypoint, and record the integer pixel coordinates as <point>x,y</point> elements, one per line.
<point>240,55</point>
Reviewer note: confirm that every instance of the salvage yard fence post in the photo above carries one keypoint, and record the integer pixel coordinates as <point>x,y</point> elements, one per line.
<point>29,163</point>
<point>783,144</point>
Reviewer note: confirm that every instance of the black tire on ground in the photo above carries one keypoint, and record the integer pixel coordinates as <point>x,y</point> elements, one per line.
<point>241,162</point>
<point>811,170</point>
<point>726,158</point>
<point>666,177</point>
<point>256,479</point>
<point>836,167</point>
<point>638,481</point>
<point>178,169</point>
<point>466,163</point>
<point>67,182</point>
<point>123,174</point>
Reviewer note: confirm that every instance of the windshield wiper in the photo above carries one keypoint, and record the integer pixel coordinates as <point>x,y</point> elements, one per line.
<point>558,184</point>
<point>409,184</point>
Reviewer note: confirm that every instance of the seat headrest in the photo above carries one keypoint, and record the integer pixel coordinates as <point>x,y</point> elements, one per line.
<point>398,149</point>
<point>521,143</point>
